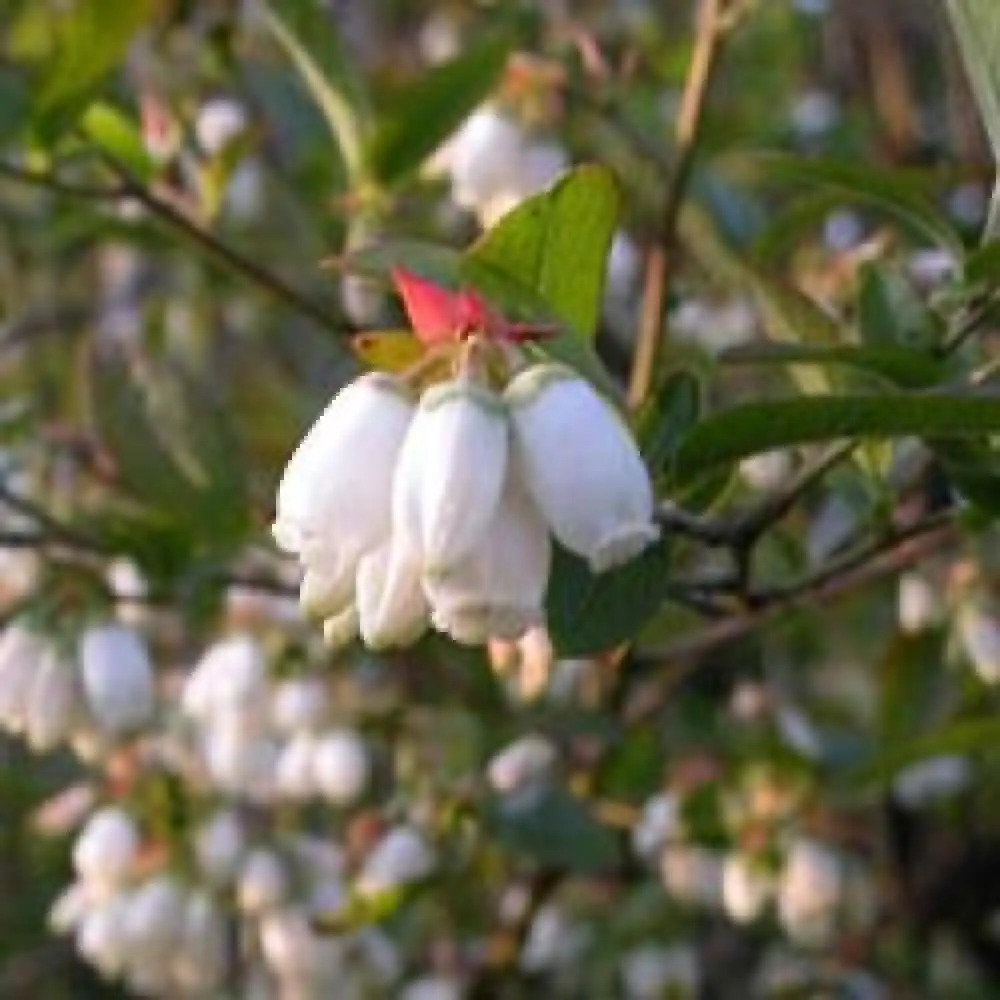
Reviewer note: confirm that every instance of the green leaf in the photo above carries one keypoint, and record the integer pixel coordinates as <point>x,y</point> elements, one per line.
<point>173,447</point>
<point>557,830</point>
<point>672,413</point>
<point>320,59</point>
<point>557,244</point>
<point>890,312</point>
<point>755,427</point>
<point>88,40</point>
<point>117,135</point>
<point>914,687</point>
<point>898,196</point>
<point>899,366</point>
<point>977,28</point>
<point>429,110</point>
<point>591,613</point>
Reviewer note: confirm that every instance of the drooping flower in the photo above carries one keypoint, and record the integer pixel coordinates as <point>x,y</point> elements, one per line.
<point>581,466</point>
<point>117,678</point>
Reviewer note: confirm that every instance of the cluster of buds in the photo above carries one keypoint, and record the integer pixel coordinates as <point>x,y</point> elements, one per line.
<point>269,740</point>
<point>410,512</point>
<point>90,695</point>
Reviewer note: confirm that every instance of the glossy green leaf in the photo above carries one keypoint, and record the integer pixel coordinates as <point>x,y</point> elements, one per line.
<point>591,613</point>
<point>890,312</point>
<point>556,829</point>
<point>120,137</point>
<point>899,366</point>
<point>419,119</point>
<point>557,244</point>
<point>672,413</point>
<point>898,196</point>
<point>749,429</point>
<point>88,40</point>
<point>313,47</point>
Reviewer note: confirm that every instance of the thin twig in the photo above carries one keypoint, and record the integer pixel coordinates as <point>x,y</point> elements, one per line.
<point>55,529</point>
<point>968,323</point>
<point>70,189</point>
<point>713,25</point>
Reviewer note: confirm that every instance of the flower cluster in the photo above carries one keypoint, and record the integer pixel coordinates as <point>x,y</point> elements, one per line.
<point>407,513</point>
<point>89,696</point>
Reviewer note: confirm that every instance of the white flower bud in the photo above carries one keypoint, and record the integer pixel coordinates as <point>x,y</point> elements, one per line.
<point>810,892</point>
<point>692,875</point>
<point>391,607</point>
<point>402,856</point>
<point>332,506</point>
<point>979,634</point>
<point>69,909</point>
<point>652,971</point>
<point>117,678</point>
<point>298,703</point>
<point>294,778</point>
<point>524,762</point>
<point>219,122</point>
<point>432,988</point>
<point>541,164</point>
<point>746,888</point>
<point>919,603</point>
<point>199,964</point>
<point>482,157</point>
<point>154,920</point>
<point>287,941</point>
<point>52,703</point>
<point>219,846</point>
<point>230,674</point>
<point>263,882</point>
<point>451,472</point>
<point>101,937</point>
<point>498,589</point>
<point>238,760</point>
<point>581,466</point>
<point>657,825</point>
<point>21,652</point>
<point>932,780</point>
<point>340,766</point>
<point>106,847</point>
<point>553,941</point>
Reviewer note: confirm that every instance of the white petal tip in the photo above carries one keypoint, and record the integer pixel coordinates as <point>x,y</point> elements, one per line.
<point>340,630</point>
<point>287,536</point>
<point>621,546</point>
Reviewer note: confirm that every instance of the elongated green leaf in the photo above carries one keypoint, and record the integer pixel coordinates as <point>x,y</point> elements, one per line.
<point>756,427</point>
<point>321,62</point>
<point>671,415</point>
<point>897,196</point>
<point>890,312</point>
<point>556,829</point>
<point>557,244</point>
<point>88,40</point>
<point>914,687</point>
<point>420,119</point>
<point>900,366</point>
<point>591,613</point>
<point>117,135</point>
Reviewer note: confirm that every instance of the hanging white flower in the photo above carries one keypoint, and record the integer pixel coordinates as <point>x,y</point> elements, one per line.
<point>391,606</point>
<point>199,964</point>
<point>102,937</point>
<point>401,857</point>
<point>21,651</point>
<point>219,846</point>
<point>155,920</point>
<point>263,881</point>
<point>117,678</point>
<point>298,703</point>
<point>340,766</point>
<point>746,888</point>
<point>52,702</point>
<point>498,589</point>
<point>70,908</point>
<point>334,498</point>
<point>106,847</point>
<point>525,762</point>
<point>581,466</point>
<point>811,891</point>
<point>294,771</point>
<point>451,471</point>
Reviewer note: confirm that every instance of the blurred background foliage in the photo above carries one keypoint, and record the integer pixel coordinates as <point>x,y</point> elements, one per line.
<point>167,332</point>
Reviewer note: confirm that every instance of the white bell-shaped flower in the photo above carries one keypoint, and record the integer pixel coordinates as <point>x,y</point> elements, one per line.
<point>117,678</point>
<point>334,498</point>
<point>155,920</point>
<point>70,908</point>
<point>340,766</point>
<point>52,702</point>
<point>581,466</point>
<point>811,891</point>
<point>199,965</point>
<point>298,703</point>
<point>102,938</point>
<point>263,882</point>
<point>219,845</point>
<point>483,156</point>
<point>525,762</point>
<point>401,857</point>
<point>391,608</point>
<point>106,847</point>
<point>294,771</point>
<point>451,471</point>
<point>498,589</point>
<point>747,888</point>
<point>21,651</point>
